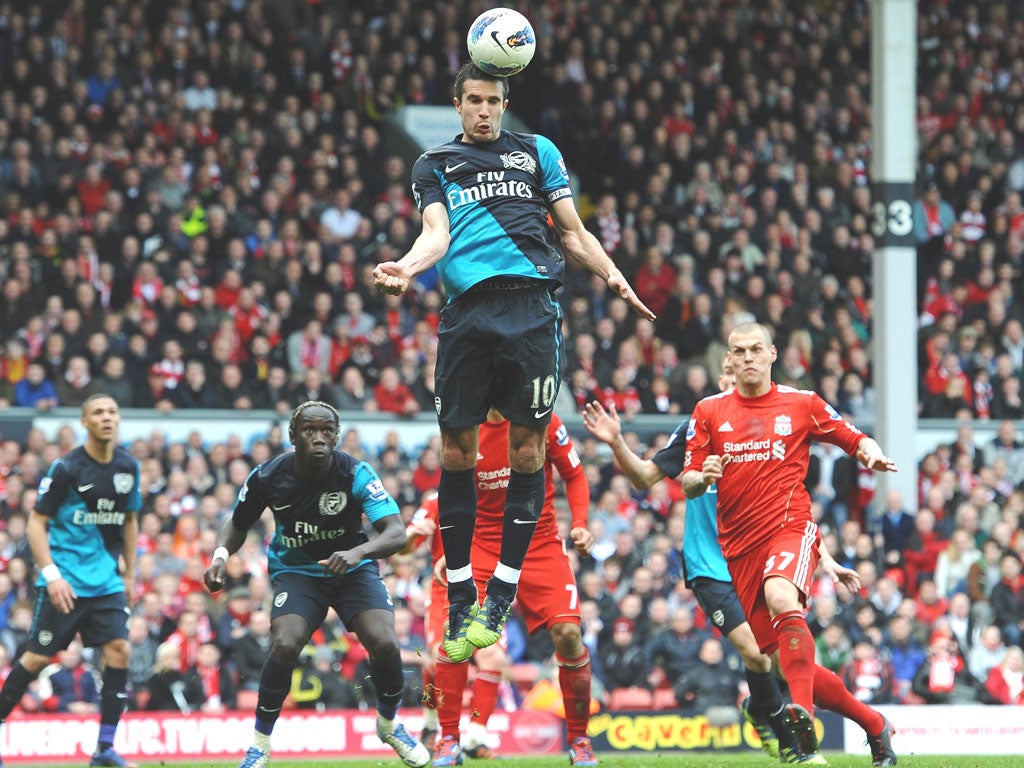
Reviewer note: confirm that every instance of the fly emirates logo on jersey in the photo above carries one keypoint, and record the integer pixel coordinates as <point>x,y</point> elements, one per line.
<point>307,533</point>
<point>106,514</point>
<point>489,184</point>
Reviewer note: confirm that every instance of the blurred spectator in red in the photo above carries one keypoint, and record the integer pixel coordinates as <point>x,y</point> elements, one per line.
<point>186,639</point>
<point>427,474</point>
<point>930,605</point>
<point>867,675</point>
<point>943,677</point>
<point>393,396</point>
<point>1005,682</point>
<point>922,551</point>
<point>214,679</point>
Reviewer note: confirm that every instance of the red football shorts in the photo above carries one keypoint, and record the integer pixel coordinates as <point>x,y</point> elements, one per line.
<point>547,586</point>
<point>791,553</point>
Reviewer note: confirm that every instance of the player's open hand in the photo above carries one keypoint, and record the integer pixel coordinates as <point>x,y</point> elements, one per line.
<point>62,595</point>
<point>878,462</point>
<point>582,540</point>
<point>342,562</point>
<point>840,574</point>
<point>391,277</point>
<point>602,424</point>
<point>621,286</point>
<point>216,575</point>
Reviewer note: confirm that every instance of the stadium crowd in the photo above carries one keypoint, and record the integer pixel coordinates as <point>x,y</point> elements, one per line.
<point>194,195</point>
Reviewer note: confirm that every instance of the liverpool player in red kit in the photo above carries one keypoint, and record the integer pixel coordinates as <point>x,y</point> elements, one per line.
<point>547,596</point>
<point>491,662</point>
<point>754,442</point>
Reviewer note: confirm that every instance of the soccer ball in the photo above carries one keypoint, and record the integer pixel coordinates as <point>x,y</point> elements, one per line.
<point>501,42</point>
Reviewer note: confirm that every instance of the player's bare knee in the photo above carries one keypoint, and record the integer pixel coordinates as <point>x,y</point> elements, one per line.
<point>754,660</point>
<point>781,596</point>
<point>568,639</point>
<point>491,658</point>
<point>33,662</point>
<point>526,448</point>
<point>459,448</point>
<point>286,649</point>
<point>382,648</point>
<point>117,654</point>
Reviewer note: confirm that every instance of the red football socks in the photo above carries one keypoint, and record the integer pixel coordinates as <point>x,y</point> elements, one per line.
<point>485,695</point>
<point>796,655</point>
<point>449,683</point>
<point>574,680</point>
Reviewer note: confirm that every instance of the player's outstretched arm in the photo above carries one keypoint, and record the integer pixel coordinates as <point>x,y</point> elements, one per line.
<point>394,277</point>
<point>605,426</point>
<point>870,454</point>
<point>585,249</point>
<point>231,539</point>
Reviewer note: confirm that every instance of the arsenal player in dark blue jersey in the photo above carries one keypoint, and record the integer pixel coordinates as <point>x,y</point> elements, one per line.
<point>320,558</point>
<point>486,198</point>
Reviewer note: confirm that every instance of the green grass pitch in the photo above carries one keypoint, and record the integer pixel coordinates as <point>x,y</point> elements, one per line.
<point>653,760</point>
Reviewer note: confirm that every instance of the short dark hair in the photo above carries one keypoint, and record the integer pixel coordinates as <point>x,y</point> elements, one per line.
<point>471,71</point>
<point>307,405</point>
<point>93,398</point>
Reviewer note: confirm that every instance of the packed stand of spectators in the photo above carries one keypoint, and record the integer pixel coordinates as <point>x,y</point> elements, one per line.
<point>194,194</point>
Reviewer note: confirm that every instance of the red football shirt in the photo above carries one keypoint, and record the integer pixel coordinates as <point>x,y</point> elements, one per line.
<point>492,473</point>
<point>768,439</point>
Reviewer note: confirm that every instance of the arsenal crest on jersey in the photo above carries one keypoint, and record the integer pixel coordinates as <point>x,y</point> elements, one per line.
<point>123,482</point>
<point>332,503</point>
<point>783,425</point>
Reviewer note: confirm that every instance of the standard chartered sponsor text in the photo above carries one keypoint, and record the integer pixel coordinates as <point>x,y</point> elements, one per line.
<point>747,445</point>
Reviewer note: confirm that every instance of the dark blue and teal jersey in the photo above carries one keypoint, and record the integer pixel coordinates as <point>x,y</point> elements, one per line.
<point>88,503</point>
<point>497,196</point>
<point>314,518</point>
<point>702,555</point>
